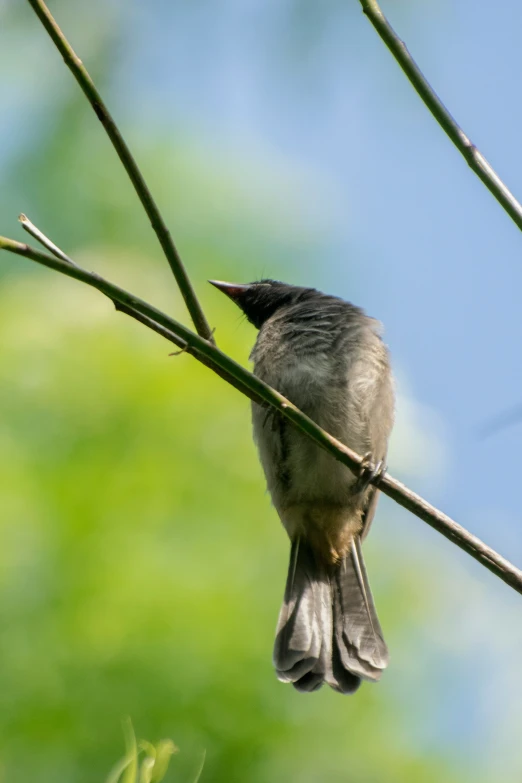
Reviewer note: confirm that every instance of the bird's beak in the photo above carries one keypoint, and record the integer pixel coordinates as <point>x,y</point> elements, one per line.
<point>233,290</point>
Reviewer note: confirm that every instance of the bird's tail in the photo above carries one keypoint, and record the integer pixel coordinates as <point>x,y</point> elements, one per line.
<point>328,629</point>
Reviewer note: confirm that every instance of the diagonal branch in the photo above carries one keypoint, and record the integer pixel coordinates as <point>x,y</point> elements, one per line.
<point>35,232</point>
<point>476,161</point>
<point>81,75</point>
<point>207,353</point>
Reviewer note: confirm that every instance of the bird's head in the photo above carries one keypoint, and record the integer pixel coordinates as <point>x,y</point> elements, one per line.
<point>261,299</point>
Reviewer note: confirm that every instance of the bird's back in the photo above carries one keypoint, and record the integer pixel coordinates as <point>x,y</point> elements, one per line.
<point>327,357</point>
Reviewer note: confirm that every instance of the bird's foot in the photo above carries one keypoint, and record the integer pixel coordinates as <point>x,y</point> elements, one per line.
<point>369,473</point>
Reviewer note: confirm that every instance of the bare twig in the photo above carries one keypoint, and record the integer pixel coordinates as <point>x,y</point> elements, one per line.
<point>81,75</point>
<point>260,392</point>
<point>35,232</point>
<point>474,158</point>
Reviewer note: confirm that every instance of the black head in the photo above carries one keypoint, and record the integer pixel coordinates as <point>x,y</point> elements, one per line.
<point>260,300</point>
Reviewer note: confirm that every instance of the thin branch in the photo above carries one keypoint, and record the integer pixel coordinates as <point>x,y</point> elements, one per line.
<point>143,319</point>
<point>81,75</point>
<point>474,158</point>
<point>247,383</point>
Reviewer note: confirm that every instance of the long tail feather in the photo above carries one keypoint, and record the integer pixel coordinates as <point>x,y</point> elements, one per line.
<point>298,636</point>
<point>328,629</point>
<point>357,632</point>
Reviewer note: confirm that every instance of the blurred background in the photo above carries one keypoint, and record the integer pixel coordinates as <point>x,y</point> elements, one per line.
<point>141,565</point>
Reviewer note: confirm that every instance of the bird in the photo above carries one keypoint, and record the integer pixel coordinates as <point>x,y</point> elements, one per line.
<point>328,358</point>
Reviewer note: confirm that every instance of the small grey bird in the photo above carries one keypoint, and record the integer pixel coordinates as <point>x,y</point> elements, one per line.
<point>327,357</point>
